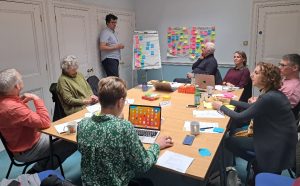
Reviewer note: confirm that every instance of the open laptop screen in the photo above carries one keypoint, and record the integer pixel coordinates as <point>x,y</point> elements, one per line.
<point>145,116</point>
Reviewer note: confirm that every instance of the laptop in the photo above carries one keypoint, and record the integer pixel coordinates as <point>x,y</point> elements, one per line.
<point>204,80</point>
<point>146,120</point>
<point>160,86</point>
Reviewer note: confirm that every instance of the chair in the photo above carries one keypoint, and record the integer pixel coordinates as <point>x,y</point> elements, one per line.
<point>93,82</point>
<point>24,164</point>
<point>247,93</point>
<point>296,111</point>
<point>266,179</point>
<point>58,109</point>
<point>295,169</point>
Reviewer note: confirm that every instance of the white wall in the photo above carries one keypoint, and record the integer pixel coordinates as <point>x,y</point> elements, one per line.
<point>231,18</point>
<point>114,4</point>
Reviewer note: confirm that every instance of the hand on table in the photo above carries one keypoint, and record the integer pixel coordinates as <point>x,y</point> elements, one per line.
<point>189,75</point>
<point>217,104</point>
<point>164,142</point>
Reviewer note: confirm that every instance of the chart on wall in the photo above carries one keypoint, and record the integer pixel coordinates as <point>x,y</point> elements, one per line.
<point>146,50</point>
<point>188,41</point>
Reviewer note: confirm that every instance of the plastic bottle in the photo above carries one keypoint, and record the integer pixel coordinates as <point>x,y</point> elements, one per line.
<point>197,96</point>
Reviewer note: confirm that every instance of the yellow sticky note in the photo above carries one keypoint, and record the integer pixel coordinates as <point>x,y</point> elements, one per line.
<point>207,105</point>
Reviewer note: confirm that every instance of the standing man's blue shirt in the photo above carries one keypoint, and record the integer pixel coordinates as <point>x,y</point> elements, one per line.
<point>109,36</point>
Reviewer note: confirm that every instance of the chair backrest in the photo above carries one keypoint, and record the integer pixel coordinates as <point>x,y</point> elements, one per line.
<point>296,111</point>
<point>247,93</point>
<point>218,78</point>
<point>93,82</point>
<point>10,154</point>
<point>58,109</point>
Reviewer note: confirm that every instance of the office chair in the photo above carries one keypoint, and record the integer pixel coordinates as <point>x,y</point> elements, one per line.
<point>266,179</point>
<point>93,82</point>
<point>58,110</point>
<point>24,164</point>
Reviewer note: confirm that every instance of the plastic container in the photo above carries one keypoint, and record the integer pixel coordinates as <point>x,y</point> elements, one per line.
<point>197,96</point>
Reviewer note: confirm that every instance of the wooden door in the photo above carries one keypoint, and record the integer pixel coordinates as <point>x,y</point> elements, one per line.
<point>278,31</point>
<point>124,31</point>
<point>23,47</point>
<point>73,33</point>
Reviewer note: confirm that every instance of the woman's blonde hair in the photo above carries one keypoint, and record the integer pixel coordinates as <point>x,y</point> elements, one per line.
<point>110,90</point>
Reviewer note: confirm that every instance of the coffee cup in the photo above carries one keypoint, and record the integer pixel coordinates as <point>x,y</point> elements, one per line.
<point>195,127</point>
<point>71,127</point>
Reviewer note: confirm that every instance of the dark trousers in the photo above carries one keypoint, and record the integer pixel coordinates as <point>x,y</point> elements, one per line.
<point>111,67</point>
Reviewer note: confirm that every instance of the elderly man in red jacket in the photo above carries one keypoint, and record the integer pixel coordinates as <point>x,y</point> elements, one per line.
<point>20,126</point>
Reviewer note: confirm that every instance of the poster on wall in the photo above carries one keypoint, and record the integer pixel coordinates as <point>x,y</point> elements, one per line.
<point>188,41</point>
<point>146,50</point>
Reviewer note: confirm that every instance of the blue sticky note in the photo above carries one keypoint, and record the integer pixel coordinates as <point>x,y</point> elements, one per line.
<point>147,48</point>
<point>218,130</point>
<point>152,53</point>
<point>204,152</point>
<point>141,38</point>
<point>148,43</point>
<point>143,56</point>
<point>152,45</point>
<point>142,61</point>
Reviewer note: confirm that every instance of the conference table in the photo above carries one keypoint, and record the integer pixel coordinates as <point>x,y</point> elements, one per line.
<point>173,119</point>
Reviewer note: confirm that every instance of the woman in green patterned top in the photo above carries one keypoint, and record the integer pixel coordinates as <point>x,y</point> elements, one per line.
<point>73,90</point>
<point>111,151</point>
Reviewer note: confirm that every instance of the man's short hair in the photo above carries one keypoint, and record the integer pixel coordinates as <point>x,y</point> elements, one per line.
<point>8,79</point>
<point>210,47</point>
<point>110,90</point>
<point>110,17</point>
<point>294,59</point>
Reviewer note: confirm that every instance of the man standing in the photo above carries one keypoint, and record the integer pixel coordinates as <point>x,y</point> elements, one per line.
<point>110,47</point>
<point>19,124</point>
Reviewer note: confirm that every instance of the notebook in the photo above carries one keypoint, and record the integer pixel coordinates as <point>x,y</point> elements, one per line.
<point>164,87</point>
<point>204,80</point>
<point>146,120</point>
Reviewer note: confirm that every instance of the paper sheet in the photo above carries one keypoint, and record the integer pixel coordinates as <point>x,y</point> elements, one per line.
<point>174,161</point>
<point>187,127</point>
<point>207,114</point>
<point>60,128</point>
<point>94,108</point>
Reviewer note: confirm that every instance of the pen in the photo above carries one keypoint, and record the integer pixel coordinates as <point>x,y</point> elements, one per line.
<point>206,128</point>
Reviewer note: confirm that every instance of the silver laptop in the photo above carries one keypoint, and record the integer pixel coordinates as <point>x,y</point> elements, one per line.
<point>146,120</point>
<point>204,80</point>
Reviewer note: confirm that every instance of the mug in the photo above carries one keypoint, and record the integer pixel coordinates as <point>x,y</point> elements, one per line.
<point>71,127</point>
<point>195,127</point>
<point>209,90</point>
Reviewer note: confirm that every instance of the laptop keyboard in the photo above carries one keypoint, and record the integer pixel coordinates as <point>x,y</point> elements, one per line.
<point>148,133</point>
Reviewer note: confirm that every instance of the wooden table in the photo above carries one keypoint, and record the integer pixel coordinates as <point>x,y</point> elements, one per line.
<point>173,117</point>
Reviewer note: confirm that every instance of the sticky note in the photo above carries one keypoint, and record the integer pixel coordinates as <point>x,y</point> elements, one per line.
<point>152,45</point>
<point>204,152</point>
<point>152,53</point>
<point>218,130</point>
<point>141,38</point>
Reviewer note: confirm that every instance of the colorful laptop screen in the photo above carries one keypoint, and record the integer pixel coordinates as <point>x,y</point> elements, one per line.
<point>144,116</point>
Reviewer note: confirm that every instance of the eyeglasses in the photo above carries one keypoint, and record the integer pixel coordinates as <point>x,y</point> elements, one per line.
<point>282,65</point>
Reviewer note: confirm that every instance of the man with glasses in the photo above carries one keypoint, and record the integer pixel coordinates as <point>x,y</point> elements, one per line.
<point>110,47</point>
<point>290,68</point>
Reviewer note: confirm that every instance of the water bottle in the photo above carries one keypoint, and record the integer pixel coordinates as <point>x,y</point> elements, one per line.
<point>197,96</point>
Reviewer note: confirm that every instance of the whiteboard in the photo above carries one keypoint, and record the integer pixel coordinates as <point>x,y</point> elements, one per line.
<point>146,51</point>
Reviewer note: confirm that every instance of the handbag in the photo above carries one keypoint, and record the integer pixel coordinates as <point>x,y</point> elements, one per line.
<point>245,133</point>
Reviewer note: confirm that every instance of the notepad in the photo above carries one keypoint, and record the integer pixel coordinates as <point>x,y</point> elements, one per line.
<point>174,161</point>
<point>207,114</point>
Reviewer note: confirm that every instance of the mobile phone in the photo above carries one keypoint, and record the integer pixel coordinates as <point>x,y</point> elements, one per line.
<point>191,106</point>
<point>188,140</point>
